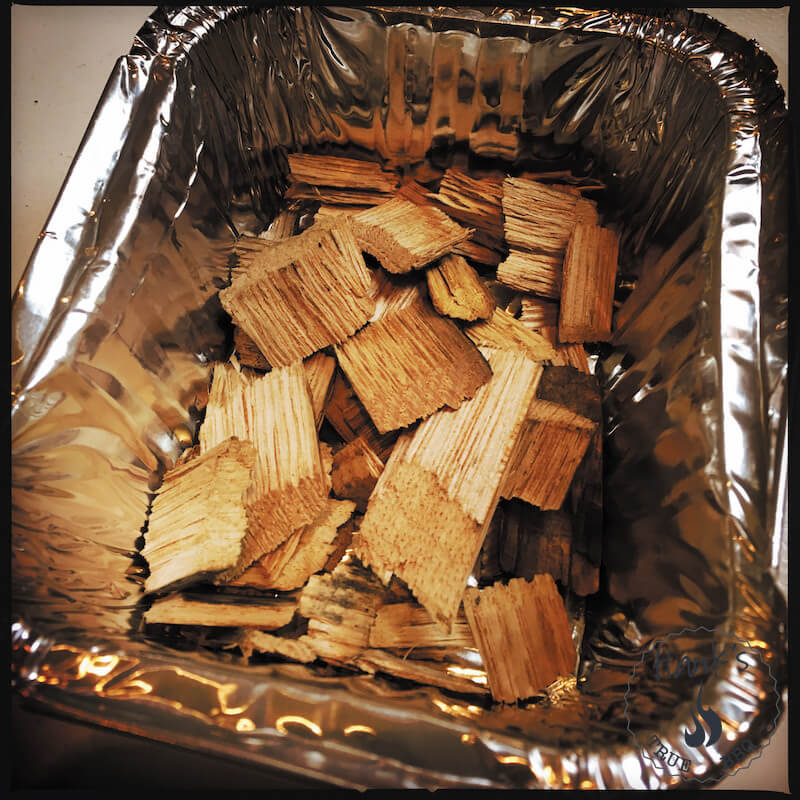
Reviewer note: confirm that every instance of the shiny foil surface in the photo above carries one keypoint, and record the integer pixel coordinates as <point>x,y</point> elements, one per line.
<point>116,323</point>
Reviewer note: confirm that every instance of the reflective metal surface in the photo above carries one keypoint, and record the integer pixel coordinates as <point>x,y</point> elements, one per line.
<point>116,323</point>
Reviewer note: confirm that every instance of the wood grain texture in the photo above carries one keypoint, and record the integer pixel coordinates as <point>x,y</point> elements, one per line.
<point>523,636</point>
<point>405,236</point>
<point>587,293</point>
<point>298,295</point>
<point>456,290</point>
<point>198,522</point>
<point>409,363</point>
<point>274,412</point>
<point>429,512</point>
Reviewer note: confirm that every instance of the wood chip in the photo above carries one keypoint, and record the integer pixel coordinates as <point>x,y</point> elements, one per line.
<point>431,507</point>
<point>305,552</point>
<point>320,369</point>
<point>587,292</point>
<point>337,171</point>
<point>274,412</point>
<point>405,236</point>
<point>540,218</point>
<point>409,363</point>
<point>539,273</point>
<point>341,607</point>
<point>429,673</point>
<point>301,294</point>
<point>415,193</point>
<point>350,420</point>
<point>502,331</point>
<point>356,470</point>
<point>261,642</point>
<point>456,290</point>
<point>198,521</point>
<point>410,625</point>
<point>523,635</point>
<point>476,203</point>
<point>264,613</point>
<point>544,463</point>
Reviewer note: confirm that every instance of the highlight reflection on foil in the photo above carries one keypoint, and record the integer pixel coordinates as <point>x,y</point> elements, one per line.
<point>116,323</point>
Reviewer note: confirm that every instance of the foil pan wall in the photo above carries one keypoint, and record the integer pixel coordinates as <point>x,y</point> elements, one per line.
<point>116,323</point>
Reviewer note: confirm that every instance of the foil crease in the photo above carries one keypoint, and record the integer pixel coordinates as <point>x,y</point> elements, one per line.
<point>116,322</point>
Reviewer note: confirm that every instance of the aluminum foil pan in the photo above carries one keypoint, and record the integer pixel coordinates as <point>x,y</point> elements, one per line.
<point>116,323</point>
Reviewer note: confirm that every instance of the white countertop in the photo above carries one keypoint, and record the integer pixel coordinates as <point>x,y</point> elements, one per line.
<point>61,57</point>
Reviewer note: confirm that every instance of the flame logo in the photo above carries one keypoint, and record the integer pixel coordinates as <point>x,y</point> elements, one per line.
<point>714,723</point>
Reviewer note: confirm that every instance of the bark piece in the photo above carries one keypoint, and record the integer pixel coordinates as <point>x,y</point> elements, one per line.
<point>456,290</point>
<point>247,352</point>
<point>431,507</point>
<point>405,236</point>
<point>350,420</point>
<point>264,613</point>
<point>410,625</point>
<point>290,485</point>
<point>572,389</point>
<point>305,552</point>
<point>587,292</point>
<point>409,363</point>
<point>586,497</point>
<point>523,635</point>
<point>430,673</point>
<point>356,470</point>
<point>320,369</point>
<point>503,331</point>
<point>341,607</point>
<point>535,542</point>
<point>198,522</point>
<point>301,294</point>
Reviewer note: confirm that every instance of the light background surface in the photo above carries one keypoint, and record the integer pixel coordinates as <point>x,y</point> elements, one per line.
<point>61,58</point>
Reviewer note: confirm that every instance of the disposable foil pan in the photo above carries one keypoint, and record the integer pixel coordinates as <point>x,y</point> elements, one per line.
<point>116,324</point>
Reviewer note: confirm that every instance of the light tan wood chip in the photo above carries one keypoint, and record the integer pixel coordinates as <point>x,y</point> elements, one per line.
<point>409,363</point>
<point>429,512</point>
<point>431,673</point>
<point>305,552</point>
<point>410,625</point>
<point>265,613</point>
<point>296,296</point>
<point>456,290</point>
<point>198,522</point>
<point>504,332</point>
<point>405,236</point>
<point>290,485</point>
